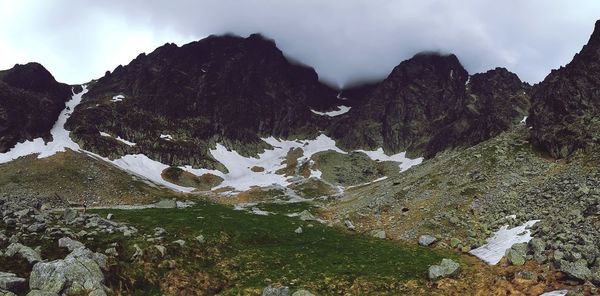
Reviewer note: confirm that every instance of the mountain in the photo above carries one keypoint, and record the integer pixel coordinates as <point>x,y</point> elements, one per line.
<point>565,106</point>
<point>30,101</point>
<point>429,103</point>
<point>222,89</point>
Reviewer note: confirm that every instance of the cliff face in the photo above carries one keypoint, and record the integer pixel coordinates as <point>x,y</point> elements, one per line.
<point>429,104</point>
<point>566,106</point>
<point>30,102</point>
<point>221,89</point>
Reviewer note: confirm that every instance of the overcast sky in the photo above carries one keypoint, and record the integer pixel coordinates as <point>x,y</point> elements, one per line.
<point>345,40</point>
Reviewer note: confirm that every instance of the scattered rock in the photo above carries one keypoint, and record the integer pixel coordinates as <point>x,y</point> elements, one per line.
<point>578,269</point>
<point>26,252</point>
<point>516,254</point>
<point>349,225</point>
<point>70,215</point>
<point>166,204</point>
<point>271,291</point>
<point>109,216</point>
<point>111,252</point>
<point>179,242</point>
<point>10,282</point>
<point>138,252</point>
<point>378,234</point>
<point>447,268</point>
<point>70,244</point>
<point>161,249</point>
<point>200,239</point>
<point>298,230</point>
<point>302,293</point>
<point>426,240</point>
<point>307,216</point>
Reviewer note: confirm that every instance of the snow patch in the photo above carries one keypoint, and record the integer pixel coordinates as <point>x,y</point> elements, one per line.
<point>340,110</point>
<point>363,184</point>
<point>496,246</point>
<point>117,98</point>
<point>523,120</point>
<point>166,137</point>
<point>60,136</point>
<point>128,143</point>
<point>405,162</point>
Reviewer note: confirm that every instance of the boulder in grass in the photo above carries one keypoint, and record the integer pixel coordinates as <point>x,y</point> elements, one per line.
<point>447,268</point>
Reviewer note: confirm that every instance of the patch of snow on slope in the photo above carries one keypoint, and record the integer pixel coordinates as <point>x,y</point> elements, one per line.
<point>367,183</point>
<point>405,162</point>
<point>340,110</point>
<point>60,136</point>
<point>128,143</point>
<point>117,98</point>
<point>556,293</point>
<point>142,165</point>
<point>523,120</point>
<point>493,251</point>
<point>166,137</point>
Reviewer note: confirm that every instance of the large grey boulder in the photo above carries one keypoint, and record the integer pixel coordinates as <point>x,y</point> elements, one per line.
<point>11,282</point>
<point>24,251</point>
<point>302,293</point>
<point>426,240</point>
<point>447,268</point>
<point>280,291</point>
<point>578,269</point>
<point>166,204</point>
<point>70,244</point>
<point>516,254</point>
<point>80,272</point>
<point>70,215</point>
<point>306,216</point>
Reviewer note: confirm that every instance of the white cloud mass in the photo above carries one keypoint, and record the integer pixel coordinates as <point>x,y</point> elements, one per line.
<point>344,40</point>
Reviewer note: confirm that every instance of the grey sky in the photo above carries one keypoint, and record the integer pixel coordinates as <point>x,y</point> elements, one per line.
<point>345,40</point>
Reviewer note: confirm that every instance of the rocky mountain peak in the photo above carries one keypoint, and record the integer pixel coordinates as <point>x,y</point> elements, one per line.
<point>564,115</point>
<point>31,76</point>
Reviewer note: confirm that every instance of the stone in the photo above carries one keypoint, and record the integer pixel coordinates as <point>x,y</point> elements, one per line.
<point>166,204</point>
<point>109,216</point>
<point>26,252</point>
<point>447,268</point>
<point>41,293</point>
<point>10,282</point>
<point>111,252</point>
<point>426,240</point>
<point>200,239</point>
<point>70,215</point>
<point>179,242</point>
<point>161,249</point>
<point>302,293</point>
<point>306,216</point>
<point>516,254</point>
<point>537,245</point>
<point>454,242</point>
<point>70,244</point>
<point>349,225</point>
<point>298,230</point>
<point>280,291</point>
<point>138,252</point>
<point>578,269</point>
<point>378,234</point>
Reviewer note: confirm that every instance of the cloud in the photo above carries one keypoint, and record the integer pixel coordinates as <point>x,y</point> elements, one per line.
<point>344,40</point>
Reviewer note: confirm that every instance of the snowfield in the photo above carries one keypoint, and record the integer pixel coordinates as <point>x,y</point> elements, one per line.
<point>340,110</point>
<point>240,175</point>
<point>496,246</point>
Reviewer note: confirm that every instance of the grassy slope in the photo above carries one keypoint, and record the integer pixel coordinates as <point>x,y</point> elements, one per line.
<point>243,250</point>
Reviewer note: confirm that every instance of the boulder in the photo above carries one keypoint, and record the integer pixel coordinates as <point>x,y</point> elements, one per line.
<point>447,268</point>
<point>302,293</point>
<point>298,230</point>
<point>516,254</point>
<point>426,240</point>
<point>70,215</point>
<point>577,270</point>
<point>78,273</point>
<point>41,293</point>
<point>24,251</point>
<point>280,291</point>
<point>70,244</point>
<point>166,204</point>
<point>307,216</point>
<point>378,234</point>
<point>10,282</point>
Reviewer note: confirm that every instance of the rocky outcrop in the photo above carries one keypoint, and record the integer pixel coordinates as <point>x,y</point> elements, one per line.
<point>221,89</point>
<point>429,104</point>
<point>565,106</point>
<point>447,268</point>
<point>30,102</point>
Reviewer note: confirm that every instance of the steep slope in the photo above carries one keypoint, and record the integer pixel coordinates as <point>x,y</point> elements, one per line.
<point>566,105</point>
<point>428,104</point>
<point>30,101</point>
<point>223,89</point>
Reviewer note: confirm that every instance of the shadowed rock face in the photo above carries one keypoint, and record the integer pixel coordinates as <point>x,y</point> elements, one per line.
<point>30,102</point>
<point>426,105</point>
<point>565,107</point>
<point>220,89</point>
